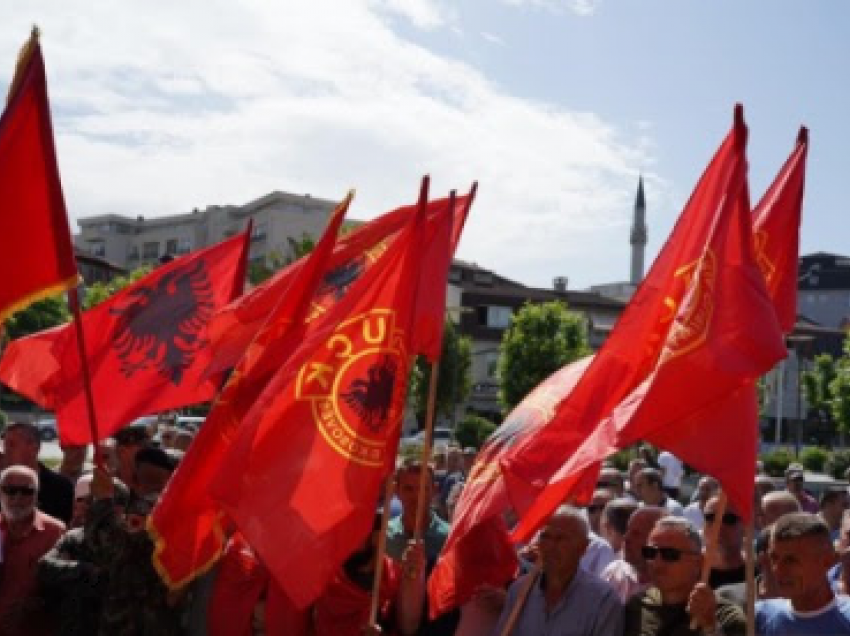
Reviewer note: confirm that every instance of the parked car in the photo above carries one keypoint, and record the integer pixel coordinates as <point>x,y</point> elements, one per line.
<point>442,437</point>
<point>47,429</point>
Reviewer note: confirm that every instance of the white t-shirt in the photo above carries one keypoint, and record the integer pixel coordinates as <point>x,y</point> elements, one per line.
<point>673,470</point>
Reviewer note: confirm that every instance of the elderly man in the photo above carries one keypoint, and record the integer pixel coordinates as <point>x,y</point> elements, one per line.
<point>648,486</point>
<point>628,575</point>
<point>800,554</point>
<point>597,504</point>
<point>564,599</point>
<point>615,521</point>
<point>706,489</point>
<point>776,504</point>
<point>22,444</point>
<point>677,598</point>
<point>611,479</point>
<point>27,534</point>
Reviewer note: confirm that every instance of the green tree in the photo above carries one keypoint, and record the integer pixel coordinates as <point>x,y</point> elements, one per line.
<point>541,339</point>
<point>44,314</point>
<point>300,247</point>
<point>473,431</point>
<point>817,385</point>
<point>454,378</point>
<point>840,391</point>
<point>99,291</point>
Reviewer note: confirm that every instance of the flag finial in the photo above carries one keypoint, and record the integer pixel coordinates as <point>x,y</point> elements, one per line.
<point>23,60</point>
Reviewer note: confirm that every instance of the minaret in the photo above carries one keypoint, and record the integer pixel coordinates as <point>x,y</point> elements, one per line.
<point>638,237</point>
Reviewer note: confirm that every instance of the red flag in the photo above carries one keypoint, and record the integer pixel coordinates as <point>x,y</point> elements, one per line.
<point>234,327</point>
<point>478,550</point>
<point>302,478</point>
<point>713,331</point>
<point>777,232</point>
<point>186,523</point>
<point>146,346</point>
<point>35,242</point>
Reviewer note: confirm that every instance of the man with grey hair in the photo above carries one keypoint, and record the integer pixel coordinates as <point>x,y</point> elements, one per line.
<point>776,504</point>
<point>801,554</point>
<point>628,575</point>
<point>27,534</point>
<point>563,599</point>
<point>677,598</point>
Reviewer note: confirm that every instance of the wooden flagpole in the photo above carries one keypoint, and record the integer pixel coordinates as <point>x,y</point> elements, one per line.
<point>382,549</point>
<point>516,610</point>
<point>74,302</point>
<point>425,474</point>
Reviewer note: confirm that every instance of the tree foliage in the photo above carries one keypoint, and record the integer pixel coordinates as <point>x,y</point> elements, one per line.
<point>98,292</point>
<point>454,378</point>
<point>541,339</point>
<point>839,389</point>
<point>39,316</point>
<point>473,431</point>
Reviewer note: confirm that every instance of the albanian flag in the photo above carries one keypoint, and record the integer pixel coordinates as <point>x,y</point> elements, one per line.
<point>35,242</point>
<point>301,479</point>
<point>147,346</point>
<point>186,524</point>
<point>235,326</point>
<point>708,330</point>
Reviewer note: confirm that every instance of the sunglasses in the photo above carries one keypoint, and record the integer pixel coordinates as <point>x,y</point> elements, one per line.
<point>729,518</point>
<point>668,555</point>
<point>11,491</point>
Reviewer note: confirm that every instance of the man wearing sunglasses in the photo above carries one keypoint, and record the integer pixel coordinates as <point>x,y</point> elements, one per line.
<point>564,599</point>
<point>676,597</point>
<point>27,534</point>
<point>729,567</point>
<point>801,554</point>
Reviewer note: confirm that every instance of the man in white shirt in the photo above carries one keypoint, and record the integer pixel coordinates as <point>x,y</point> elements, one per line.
<point>671,473</point>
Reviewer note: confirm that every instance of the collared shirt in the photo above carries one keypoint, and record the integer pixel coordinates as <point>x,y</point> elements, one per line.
<point>434,538</point>
<point>778,617</point>
<point>19,581</point>
<point>597,556</point>
<point>624,579</point>
<point>588,607</point>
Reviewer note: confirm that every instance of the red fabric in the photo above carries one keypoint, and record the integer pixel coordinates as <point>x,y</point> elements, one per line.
<point>35,241</point>
<point>186,522</point>
<point>301,479</point>
<point>478,550</point>
<point>343,608</point>
<point>777,232</point>
<point>233,328</point>
<point>708,328</point>
<point>146,346</point>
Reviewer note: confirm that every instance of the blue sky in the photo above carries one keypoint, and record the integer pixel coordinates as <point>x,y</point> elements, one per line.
<point>555,106</point>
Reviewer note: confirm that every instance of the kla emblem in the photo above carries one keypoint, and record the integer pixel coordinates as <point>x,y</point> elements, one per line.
<point>356,384</point>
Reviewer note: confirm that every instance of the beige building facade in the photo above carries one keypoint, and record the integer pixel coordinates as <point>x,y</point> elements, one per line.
<point>279,218</point>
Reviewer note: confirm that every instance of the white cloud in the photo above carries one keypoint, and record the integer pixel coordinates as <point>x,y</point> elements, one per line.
<point>492,38</point>
<point>581,8</point>
<point>423,14</point>
<point>177,106</point>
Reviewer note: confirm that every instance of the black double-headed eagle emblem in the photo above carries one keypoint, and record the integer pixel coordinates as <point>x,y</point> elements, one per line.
<point>161,325</point>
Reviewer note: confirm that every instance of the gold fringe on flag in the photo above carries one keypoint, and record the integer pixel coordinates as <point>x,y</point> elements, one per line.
<point>23,59</point>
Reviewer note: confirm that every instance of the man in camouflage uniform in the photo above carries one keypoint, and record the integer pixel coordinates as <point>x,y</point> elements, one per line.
<point>136,601</point>
<point>75,573</point>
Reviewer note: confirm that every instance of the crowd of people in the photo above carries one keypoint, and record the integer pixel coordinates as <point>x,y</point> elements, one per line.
<point>77,560</point>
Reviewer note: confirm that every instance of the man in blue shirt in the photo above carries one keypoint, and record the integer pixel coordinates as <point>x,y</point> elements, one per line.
<point>801,554</point>
<point>563,599</point>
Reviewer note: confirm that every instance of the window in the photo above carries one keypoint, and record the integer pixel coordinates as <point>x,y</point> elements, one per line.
<point>150,250</point>
<point>184,246</point>
<point>454,275</point>
<point>260,230</point>
<point>482,277</point>
<point>171,246</point>
<point>499,317</point>
<point>133,252</point>
<point>97,248</point>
